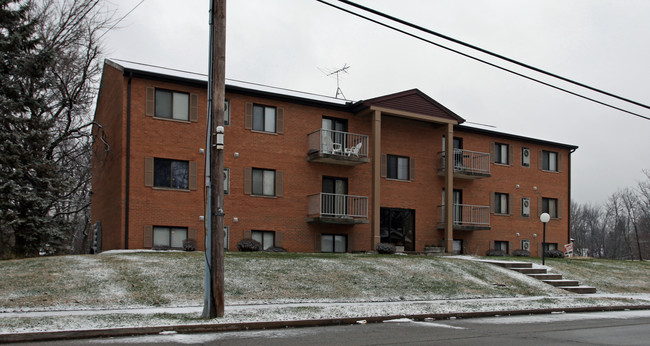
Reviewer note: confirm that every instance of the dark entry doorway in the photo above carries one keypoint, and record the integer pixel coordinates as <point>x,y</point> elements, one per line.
<point>397,226</point>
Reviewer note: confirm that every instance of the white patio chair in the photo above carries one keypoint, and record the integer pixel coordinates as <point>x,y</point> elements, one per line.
<point>354,150</point>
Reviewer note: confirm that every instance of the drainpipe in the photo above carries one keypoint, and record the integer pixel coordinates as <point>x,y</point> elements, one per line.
<point>569,216</point>
<point>128,161</point>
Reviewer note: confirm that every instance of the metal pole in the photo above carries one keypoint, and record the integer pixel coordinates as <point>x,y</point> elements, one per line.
<point>543,244</point>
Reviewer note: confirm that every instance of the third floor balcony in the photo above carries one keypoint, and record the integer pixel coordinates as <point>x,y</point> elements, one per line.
<point>337,147</point>
<point>467,164</point>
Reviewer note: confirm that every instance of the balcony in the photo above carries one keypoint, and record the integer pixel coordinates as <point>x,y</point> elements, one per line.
<point>467,217</point>
<point>337,209</point>
<point>467,164</point>
<point>337,147</point>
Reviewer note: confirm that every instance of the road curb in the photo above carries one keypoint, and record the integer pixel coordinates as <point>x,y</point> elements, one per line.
<point>229,327</point>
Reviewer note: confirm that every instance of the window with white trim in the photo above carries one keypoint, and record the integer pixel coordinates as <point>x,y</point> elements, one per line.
<point>334,243</point>
<point>169,237</point>
<point>264,118</point>
<point>549,161</point>
<point>501,245</point>
<point>501,153</point>
<point>172,105</point>
<point>501,203</point>
<point>263,181</point>
<point>397,167</point>
<point>266,238</point>
<point>549,205</point>
<point>171,173</point>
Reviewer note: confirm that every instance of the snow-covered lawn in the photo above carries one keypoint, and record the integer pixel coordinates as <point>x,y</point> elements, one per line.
<point>127,288</point>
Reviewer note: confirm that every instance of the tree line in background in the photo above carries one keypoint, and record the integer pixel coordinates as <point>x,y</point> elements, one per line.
<point>49,74</point>
<point>619,229</point>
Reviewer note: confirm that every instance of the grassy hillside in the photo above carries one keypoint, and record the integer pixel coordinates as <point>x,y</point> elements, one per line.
<point>138,279</point>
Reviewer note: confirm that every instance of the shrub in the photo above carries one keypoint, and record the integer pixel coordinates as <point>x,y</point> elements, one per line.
<point>554,254</point>
<point>493,252</point>
<point>385,248</point>
<point>276,249</point>
<point>249,245</point>
<point>521,253</point>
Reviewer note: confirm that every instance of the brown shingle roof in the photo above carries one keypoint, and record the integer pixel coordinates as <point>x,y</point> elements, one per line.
<point>412,101</point>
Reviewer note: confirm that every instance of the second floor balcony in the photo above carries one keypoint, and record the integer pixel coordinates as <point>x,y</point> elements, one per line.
<point>467,164</point>
<point>467,217</point>
<point>337,147</point>
<point>337,209</point>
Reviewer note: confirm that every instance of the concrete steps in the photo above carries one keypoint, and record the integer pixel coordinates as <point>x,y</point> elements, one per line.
<point>543,275</point>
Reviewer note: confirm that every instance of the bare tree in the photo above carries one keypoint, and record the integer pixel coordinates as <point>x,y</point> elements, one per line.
<point>51,52</point>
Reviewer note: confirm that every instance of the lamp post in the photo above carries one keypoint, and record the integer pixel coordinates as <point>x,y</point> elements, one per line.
<point>544,218</point>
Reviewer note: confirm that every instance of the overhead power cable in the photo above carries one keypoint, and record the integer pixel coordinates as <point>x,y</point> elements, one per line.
<point>481,60</point>
<point>536,69</point>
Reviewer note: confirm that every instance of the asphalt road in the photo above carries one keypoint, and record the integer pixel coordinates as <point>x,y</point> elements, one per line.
<point>602,328</point>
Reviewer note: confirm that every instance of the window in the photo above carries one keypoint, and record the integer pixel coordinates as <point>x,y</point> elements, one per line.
<point>550,206</point>
<point>266,238</point>
<point>501,245</point>
<point>226,113</point>
<point>550,246</point>
<point>171,173</point>
<point>525,157</point>
<point>501,203</point>
<point>169,237</point>
<point>263,182</point>
<point>549,161</point>
<point>226,181</point>
<point>172,105</point>
<point>334,243</point>
<point>525,207</point>
<point>263,118</point>
<point>501,153</point>
<point>397,167</point>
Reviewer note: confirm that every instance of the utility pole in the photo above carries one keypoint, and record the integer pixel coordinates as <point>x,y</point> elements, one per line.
<point>216,102</point>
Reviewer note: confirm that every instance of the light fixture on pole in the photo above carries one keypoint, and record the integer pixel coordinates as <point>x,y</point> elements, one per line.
<point>544,218</point>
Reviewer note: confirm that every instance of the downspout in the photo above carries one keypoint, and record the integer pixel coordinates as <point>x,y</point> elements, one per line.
<point>569,216</point>
<point>128,161</point>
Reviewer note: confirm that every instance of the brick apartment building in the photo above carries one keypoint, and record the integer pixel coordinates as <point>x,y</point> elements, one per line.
<point>316,174</point>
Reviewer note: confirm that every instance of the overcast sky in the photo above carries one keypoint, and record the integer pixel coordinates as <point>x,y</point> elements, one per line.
<point>289,43</point>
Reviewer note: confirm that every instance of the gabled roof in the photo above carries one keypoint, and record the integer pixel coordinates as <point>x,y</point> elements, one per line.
<point>411,101</point>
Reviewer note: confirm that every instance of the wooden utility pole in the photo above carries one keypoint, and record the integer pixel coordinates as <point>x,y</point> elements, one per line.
<point>218,95</point>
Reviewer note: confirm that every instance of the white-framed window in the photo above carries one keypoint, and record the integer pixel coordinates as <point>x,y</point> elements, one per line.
<point>264,118</point>
<point>550,206</point>
<point>550,246</point>
<point>334,243</point>
<point>501,245</point>
<point>501,203</point>
<point>169,173</point>
<point>525,207</point>
<point>397,167</point>
<point>549,161</point>
<point>266,238</point>
<point>172,105</point>
<point>263,181</point>
<point>169,237</point>
<point>501,153</point>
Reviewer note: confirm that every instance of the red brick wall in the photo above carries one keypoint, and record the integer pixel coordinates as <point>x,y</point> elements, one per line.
<point>287,152</point>
<point>107,196</point>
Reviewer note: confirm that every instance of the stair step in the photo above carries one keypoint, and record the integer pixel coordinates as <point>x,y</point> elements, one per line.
<point>530,270</point>
<point>546,276</point>
<point>579,289</point>
<point>558,283</point>
<point>507,264</point>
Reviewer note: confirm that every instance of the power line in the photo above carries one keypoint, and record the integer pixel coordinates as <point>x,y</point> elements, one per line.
<point>121,19</point>
<point>484,61</point>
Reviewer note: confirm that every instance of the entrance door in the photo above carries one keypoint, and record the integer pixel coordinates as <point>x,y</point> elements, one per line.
<point>334,196</point>
<point>335,128</point>
<point>397,226</point>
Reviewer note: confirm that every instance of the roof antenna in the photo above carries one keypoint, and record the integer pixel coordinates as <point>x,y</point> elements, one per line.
<point>337,72</point>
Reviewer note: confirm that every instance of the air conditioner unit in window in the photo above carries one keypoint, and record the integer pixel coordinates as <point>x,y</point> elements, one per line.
<point>525,207</point>
<point>525,157</point>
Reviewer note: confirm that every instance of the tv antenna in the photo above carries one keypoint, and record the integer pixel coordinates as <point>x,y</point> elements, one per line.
<point>343,69</point>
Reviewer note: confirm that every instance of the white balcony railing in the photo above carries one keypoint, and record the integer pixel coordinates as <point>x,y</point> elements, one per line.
<point>468,215</point>
<point>338,205</point>
<point>338,143</point>
<point>468,161</point>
